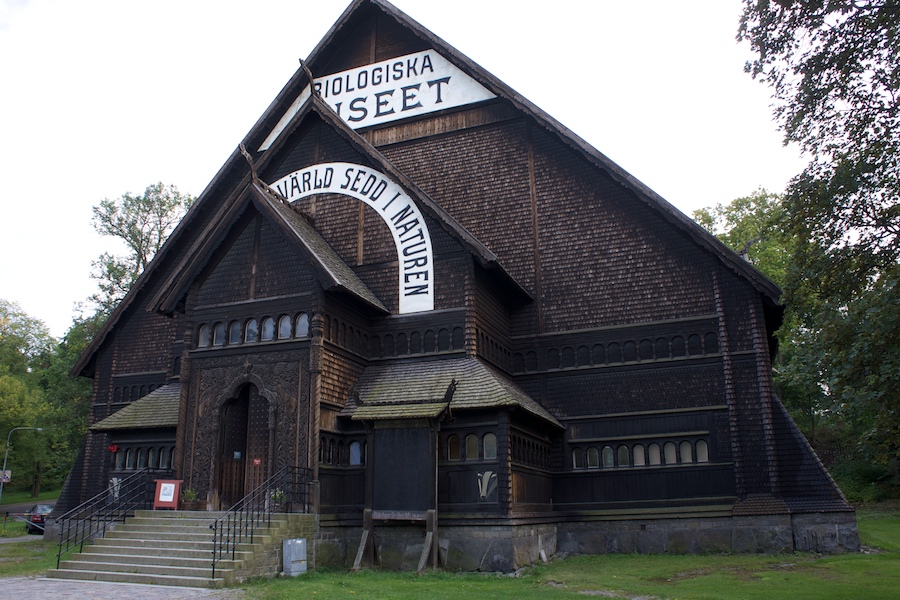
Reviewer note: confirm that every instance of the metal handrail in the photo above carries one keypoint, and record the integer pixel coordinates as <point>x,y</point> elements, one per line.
<point>285,491</point>
<point>91,518</point>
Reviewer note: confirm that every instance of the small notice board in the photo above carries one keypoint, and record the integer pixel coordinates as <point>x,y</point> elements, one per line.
<point>167,493</point>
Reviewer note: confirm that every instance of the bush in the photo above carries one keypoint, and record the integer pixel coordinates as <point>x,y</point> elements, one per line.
<point>865,481</point>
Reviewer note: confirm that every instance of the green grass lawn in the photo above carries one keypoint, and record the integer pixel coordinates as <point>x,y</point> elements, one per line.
<point>24,497</point>
<point>690,577</point>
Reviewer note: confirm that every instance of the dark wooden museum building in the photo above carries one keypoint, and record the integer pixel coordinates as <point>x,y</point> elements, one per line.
<point>424,289</point>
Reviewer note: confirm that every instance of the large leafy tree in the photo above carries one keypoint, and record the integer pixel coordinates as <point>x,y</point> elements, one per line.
<point>834,68</point>
<point>22,339</point>
<point>142,223</point>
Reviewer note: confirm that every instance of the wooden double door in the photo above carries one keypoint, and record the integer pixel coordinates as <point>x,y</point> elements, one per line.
<point>244,445</point>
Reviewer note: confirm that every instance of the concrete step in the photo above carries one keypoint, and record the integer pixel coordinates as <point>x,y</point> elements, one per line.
<point>212,515</point>
<point>180,581</point>
<point>200,562</point>
<point>165,522</point>
<point>150,550</point>
<point>161,535</point>
<point>177,527</point>
<point>145,569</point>
<point>171,545</point>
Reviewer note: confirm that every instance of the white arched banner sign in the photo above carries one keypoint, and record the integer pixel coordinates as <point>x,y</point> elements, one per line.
<point>393,205</point>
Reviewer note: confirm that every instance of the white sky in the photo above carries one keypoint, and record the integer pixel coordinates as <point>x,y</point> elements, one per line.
<point>98,98</point>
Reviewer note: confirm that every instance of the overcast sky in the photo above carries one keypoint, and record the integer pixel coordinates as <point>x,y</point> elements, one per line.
<point>98,98</point>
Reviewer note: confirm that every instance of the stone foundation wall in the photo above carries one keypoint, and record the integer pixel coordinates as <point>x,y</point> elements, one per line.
<point>826,532</point>
<point>508,547</point>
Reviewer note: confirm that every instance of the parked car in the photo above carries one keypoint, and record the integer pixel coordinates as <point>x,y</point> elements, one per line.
<point>36,518</point>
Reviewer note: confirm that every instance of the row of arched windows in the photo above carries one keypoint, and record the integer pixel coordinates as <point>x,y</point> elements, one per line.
<point>335,452</point>
<point>639,455</point>
<point>455,447</point>
<point>252,330</point>
<point>153,457</point>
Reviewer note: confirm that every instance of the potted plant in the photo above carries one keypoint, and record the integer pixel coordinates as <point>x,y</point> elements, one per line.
<point>190,501</point>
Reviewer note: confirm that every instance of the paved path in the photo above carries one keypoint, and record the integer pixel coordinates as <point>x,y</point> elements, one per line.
<point>37,588</point>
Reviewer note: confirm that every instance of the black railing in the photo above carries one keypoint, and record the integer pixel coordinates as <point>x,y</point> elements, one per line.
<point>91,519</point>
<point>285,491</point>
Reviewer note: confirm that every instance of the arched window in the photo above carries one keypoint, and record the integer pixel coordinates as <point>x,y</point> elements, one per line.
<point>284,328</point>
<point>129,458</point>
<point>607,456</point>
<point>355,454</point>
<point>593,458</point>
<point>234,332</point>
<point>163,458</point>
<point>471,447</point>
<point>653,454</point>
<point>120,459</point>
<point>141,458</point>
<point>152,458</point>
<point>622,456</point>
<point>302,328</point>
<point>637,453</point>
<point>453,447</point>
<point>578,458</point>
<point>490,446</point>
<point>251,331</point>
<point>702,451</point>
<point>687,454</point>
<point>268,329</point>
<point>669,452</point>
<point>219,334</point>
<point>203,336</point>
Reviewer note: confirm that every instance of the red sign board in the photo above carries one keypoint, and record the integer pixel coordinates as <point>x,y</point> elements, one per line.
<point>167,493</point>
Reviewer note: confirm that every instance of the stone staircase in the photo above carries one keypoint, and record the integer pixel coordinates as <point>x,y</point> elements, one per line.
<point>175,548</point>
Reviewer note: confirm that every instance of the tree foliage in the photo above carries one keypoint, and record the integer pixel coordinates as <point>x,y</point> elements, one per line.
<point>22,339</point>
<point>754,227</point>
<point>834,68</point>
<point>142,223</point>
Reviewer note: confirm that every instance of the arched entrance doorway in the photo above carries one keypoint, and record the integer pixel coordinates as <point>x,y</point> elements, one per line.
<point>244,442</point>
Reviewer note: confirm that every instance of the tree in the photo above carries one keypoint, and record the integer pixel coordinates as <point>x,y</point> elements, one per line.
<point>753,226</point>
<point>143,223</point>
<point>22,339</point>
<point>834,68</point>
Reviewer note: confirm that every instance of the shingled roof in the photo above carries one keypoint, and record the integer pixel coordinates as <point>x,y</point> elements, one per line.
<point>157,409</point>
<point>421,388</point>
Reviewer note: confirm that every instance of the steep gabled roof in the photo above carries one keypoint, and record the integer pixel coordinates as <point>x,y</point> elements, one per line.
<point>333,273</point>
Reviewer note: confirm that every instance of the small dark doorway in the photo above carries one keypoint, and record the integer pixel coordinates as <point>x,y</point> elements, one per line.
<point>244,440</point>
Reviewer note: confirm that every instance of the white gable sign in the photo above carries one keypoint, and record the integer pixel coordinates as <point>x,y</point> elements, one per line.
<point>394,89</point>
<point>396,209</point>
